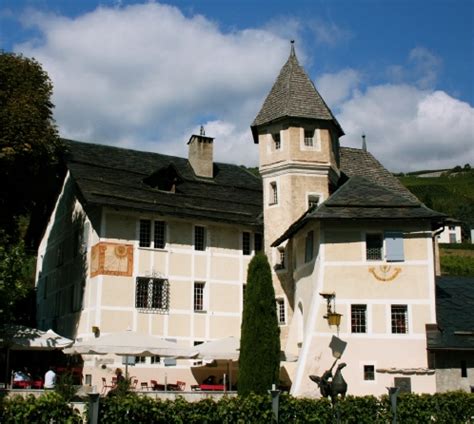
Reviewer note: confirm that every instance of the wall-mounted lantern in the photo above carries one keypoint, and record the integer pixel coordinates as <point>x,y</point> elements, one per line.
<point>332,316</point>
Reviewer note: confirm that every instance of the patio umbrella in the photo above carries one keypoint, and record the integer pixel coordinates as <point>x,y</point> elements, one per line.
<point>129,343</point>
<point>20,337</point>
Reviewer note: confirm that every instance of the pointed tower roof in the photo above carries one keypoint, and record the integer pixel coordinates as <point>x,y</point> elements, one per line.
<point>293,95</point>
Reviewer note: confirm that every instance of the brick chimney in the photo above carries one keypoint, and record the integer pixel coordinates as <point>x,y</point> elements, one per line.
<point>200,154</point>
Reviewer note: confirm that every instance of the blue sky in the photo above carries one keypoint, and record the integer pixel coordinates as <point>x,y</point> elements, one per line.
<point>145,75</point>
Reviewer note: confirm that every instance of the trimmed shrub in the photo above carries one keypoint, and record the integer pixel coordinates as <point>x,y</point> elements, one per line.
<point>259,361</point>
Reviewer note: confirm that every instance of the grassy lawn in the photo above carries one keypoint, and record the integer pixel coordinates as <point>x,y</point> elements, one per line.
<point>455,261</point>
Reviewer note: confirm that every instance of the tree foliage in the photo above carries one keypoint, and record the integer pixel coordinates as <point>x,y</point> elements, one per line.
<point>28,139</point>
<point>259,362</point>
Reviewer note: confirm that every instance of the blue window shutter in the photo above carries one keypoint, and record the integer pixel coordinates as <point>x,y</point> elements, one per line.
<point>394,246</point>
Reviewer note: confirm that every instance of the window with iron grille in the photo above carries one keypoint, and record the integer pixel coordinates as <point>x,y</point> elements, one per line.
<point>309,138</point>
<point>159,235</point>
<point>152,294</point>
<point>369,372</point>
<point>273,193</point>
<point>246,243</point>
<point>199,238</point>
<point>145,233</point>
<point>399,319</point>
<point>258,241</point>
<point>140,359</point>
<point>276,141</point>
<point>199,296</point>
<point>374,247</point>
<point>308,253</point>
<point>281,314</point>
<point>359,318</point>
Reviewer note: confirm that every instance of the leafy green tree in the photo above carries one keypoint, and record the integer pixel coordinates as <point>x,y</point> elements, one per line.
<point>28,140</point>
<point>259,361</point>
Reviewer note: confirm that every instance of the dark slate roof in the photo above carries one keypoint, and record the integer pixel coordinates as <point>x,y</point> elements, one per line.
<point>293,95</point>
<point>117,177</point>
<point>367,191</point>
<point>358,162</point>
<point>454,314</point>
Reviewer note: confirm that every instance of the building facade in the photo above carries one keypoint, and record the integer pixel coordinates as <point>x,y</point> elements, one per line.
<point>160,245</point>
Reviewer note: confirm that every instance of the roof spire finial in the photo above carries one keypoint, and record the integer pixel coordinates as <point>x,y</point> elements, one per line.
<point>364,144</point>
<point>292,53</point>
<point>202,131</point>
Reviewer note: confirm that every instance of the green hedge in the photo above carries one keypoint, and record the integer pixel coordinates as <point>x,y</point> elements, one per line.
<point>446,408</point>
<point>48,408</point>
<point>461,266</point>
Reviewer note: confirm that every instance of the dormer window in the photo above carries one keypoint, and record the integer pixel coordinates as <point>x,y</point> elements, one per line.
<point>276,141</point>
<point>309,138</point>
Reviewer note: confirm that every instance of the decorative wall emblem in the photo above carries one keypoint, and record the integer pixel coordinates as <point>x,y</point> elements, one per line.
<point>385,272</point>
<point>111,259</point>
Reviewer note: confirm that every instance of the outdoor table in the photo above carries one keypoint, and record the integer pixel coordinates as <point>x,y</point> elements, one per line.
<point>212,387</point>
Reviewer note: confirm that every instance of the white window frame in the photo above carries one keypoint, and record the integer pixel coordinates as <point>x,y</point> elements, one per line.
<point>273,193</point>
<point>365,319</point>
<point>316,140</point>
<point>363,364</point>
<point>203,295</point>
<point>152,233</point>
<point>281,311</point>
<point>382,253</point>
<point>407,319</point>
<point>276,141</point>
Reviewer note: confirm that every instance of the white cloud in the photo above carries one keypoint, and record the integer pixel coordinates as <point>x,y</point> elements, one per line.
<point>339,86</point>
<point>408,128</point>
<point>140,75</point>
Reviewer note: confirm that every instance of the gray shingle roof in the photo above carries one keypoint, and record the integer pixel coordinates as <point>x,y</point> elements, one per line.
<point>454,314</point>
<point>293,95</point>
<point>116,177</point>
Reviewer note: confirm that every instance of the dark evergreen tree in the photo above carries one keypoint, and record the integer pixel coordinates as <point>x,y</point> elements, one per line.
<point>259,361</point>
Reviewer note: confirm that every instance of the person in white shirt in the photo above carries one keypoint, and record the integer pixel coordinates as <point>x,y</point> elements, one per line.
<point>50,379</point>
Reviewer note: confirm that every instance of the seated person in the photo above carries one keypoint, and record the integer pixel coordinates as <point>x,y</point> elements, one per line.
<point>21,376</point>
<point>210,380</point>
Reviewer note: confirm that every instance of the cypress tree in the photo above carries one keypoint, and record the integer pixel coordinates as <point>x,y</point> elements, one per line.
<point>259,361</point>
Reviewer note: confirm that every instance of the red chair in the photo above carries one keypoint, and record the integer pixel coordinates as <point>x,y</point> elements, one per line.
<point>181,385</point>
<point>144,386</point>
<point>134,384</point>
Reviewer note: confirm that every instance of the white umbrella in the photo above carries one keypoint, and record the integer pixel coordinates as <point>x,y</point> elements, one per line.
<point>227,348</point>
<point>129,343</point>
<point>19,337</point>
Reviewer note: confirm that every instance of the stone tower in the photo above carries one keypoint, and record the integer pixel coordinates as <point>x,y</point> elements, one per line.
<point>298,139</point>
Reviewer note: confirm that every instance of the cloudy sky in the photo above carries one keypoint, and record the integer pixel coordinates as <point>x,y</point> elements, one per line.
<point>147,74</point>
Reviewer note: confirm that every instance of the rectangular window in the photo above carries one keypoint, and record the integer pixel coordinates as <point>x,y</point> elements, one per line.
<point>358,318</point>
<point>308,252</point>
<point>281,315</point>
<point>152,294</point>
<point>374,247</point>
<point>155,359</point>
<point>140,359</point>
<point>199,238</point>
<point>159,235</point>
<point>276,141</point>
<point>145,233</point>
<point>399,319</point>
<point>369,372</point>
<point>463,369</point>
<point>394,246</point>
<point>309,138</point>
<point>258,242</point>
<point>273,196</point>
<point>281,252</point>
<point>246,243</point>
<point>199,296</point>
<point>452,238</point>
<point>313,201</point>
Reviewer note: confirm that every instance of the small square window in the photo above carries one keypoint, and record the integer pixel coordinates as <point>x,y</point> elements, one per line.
<point>369,372</point>
<point>276,141</point>
<point>374,247</point>
<point>199,238</point>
